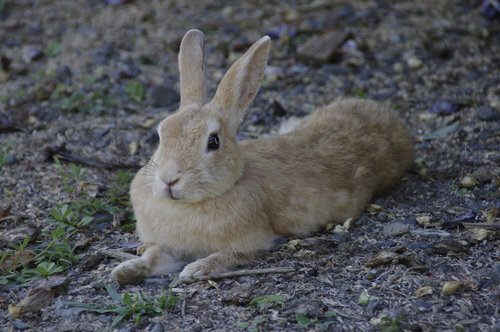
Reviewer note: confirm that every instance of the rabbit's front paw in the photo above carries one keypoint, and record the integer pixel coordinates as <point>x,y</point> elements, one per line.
<point>131,271</point>
<point>202,267</point>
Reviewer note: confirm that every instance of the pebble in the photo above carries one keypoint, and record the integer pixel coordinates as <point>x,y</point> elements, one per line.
<point>158,327</point>
<point>31,54</point>
<point>468,181</point>
<point>487,113</point>
<point>395,229</point>
<point>414,62</point>
<point>485,173</point>
<point>162,96</point>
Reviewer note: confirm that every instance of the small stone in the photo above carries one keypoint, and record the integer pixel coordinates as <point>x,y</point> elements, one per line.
<point>487,113</point>
<point>395,229</point>
<point>485,173</point>
<point>158,327</point>
<point>468,181</point>
<point>414,62</point>
<point>162,96</point>
<point>398,67</point>
<point>31,54</point>
<point>273,73</point>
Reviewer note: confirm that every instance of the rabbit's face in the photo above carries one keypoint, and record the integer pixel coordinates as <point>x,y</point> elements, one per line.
<point>196,159</point>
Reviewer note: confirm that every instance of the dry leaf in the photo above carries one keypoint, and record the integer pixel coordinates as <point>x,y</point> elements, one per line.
<point>148,123</point>
<point>479,234</point>
<point>387,257</point>
<point>450,287</point>
<point>133,147</point>
<point>422,291</point>
<point>40,297</point>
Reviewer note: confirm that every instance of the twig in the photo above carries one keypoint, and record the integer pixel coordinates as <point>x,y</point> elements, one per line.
<point>118,254</point>
<point>485,225</point>
<point>63,154</point>
<point>183,307</point>
<point>241,273</point>
<point>341,314</point>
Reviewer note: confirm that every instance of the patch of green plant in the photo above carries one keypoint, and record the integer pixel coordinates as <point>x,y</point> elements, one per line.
<point>360,93</point>
<point>50,255</point>
<point>388,324</point>
<point>65,215</point>
<point>53,49</point>
<point>131,306</point>
<point>4,153</point>
<point>135,90</point>
<point>252,326</point>
<point>266,301</point>
<point>90,99</point>
<point>458,190</point>
<point>72,176</point>
<point>302,320</point>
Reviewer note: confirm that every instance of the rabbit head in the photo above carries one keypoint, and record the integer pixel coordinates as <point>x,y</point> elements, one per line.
<point>198,156</point>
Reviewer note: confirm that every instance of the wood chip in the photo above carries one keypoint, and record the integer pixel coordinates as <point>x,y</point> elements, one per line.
<point>323,48</point>
<point>387,257</point>
<point>40,297</point>
<point>18,234</point>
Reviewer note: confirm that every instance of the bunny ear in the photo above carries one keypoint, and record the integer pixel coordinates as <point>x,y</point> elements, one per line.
<point>240,84</point>
<point>192,68</point>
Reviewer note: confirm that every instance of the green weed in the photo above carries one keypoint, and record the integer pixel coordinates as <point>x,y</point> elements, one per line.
<point>135,90</point>
<point>53,49</point>
<point>266,301</point>
<point>133,306</point>
<point>252,326</point>
<point>4,153</point>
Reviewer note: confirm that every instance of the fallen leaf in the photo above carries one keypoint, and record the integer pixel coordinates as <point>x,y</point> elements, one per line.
<point>16,260</point>
<point>450,287</point>
<point>19,234</point>
<point>387,257</point>
<point>442,132</point>
<point>479,234</point>
<point>5,211</point>
<point>40,297</point>
<point>422,291</point>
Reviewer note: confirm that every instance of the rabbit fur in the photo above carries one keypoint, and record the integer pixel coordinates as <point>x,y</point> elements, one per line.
<point>219,208</point>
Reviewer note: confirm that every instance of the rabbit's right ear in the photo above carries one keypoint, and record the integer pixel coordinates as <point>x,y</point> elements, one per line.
<point>192,68</point>
<point>240,84</point>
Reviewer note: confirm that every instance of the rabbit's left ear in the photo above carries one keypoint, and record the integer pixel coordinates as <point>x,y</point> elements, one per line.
<point>240,84</point>
<point>192,68</point>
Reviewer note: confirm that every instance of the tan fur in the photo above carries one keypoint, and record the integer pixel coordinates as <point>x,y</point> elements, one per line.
<point>228,205</point>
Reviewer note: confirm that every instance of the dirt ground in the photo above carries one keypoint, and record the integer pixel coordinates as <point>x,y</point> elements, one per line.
<point>89,80</point>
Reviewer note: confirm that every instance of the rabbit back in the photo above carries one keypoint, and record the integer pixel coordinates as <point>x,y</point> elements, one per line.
<point>331,165</point>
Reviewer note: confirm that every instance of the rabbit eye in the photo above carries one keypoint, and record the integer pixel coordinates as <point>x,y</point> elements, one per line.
<point>213,142</point>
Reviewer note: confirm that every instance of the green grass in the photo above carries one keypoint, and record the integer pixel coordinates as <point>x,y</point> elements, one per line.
<point>131,306</point>
<point>4,153</point>
<point>53,49</point>
<point>135,90</point>
<point>53,252</point>
<point>266,301</point>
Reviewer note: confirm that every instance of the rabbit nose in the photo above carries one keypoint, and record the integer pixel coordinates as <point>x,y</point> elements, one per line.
<point>172,182</point>
<point>169,185</point>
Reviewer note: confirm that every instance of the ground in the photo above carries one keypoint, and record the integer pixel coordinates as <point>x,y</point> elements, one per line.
<point>88,81</point>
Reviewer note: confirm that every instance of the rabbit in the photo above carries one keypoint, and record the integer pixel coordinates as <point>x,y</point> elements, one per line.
<point>216,203</point>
